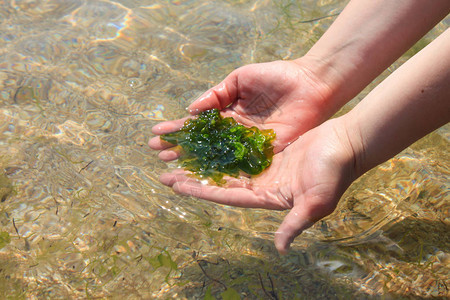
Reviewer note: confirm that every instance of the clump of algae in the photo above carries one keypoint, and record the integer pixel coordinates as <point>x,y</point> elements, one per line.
<point>214,146</point>
<point>6,187</point>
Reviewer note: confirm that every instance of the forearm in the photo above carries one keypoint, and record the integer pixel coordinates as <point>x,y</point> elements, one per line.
<point>367,37</point>
<point>409,104</point>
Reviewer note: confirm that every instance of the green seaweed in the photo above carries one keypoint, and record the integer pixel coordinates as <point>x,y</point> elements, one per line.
<point>214,146</point>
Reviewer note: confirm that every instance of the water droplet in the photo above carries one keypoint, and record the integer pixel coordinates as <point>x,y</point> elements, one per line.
<point>133,82</point>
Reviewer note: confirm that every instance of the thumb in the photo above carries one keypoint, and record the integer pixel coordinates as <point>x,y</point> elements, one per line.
<point>293,224</point>
<point>218,97</point>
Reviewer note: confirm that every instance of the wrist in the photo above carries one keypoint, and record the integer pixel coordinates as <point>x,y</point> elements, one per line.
<point>355,142</point>
<point>337,88</point>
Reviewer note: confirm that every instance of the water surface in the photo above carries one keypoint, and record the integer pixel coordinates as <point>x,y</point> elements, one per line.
<point>82,214</point>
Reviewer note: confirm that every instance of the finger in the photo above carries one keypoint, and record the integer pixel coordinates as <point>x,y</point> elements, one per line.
<point>169,179</point>
<point>170,154</point>
<point>168,126</point>
<point>157,144</point>
<point>235,195</point>
<point>293,225</point>
<point>218,97</point>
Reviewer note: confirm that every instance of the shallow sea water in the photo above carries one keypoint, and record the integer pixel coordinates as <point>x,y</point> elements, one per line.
<point>82,214</point>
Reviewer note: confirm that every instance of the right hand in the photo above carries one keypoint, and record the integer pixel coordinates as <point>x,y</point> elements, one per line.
<point>285,96</point>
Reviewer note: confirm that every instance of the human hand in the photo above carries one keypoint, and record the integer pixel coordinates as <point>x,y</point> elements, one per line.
<point>285,96</point>
<point>308,177</point>
<point>289,98</point>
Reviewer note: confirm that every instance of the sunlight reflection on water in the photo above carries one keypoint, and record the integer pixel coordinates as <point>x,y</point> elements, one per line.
<point>83,213</point>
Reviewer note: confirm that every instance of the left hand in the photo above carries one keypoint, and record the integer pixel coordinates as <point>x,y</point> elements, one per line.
<point>308,177</point>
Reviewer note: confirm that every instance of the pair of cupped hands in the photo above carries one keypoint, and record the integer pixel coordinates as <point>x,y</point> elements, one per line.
<point>313,163</point>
